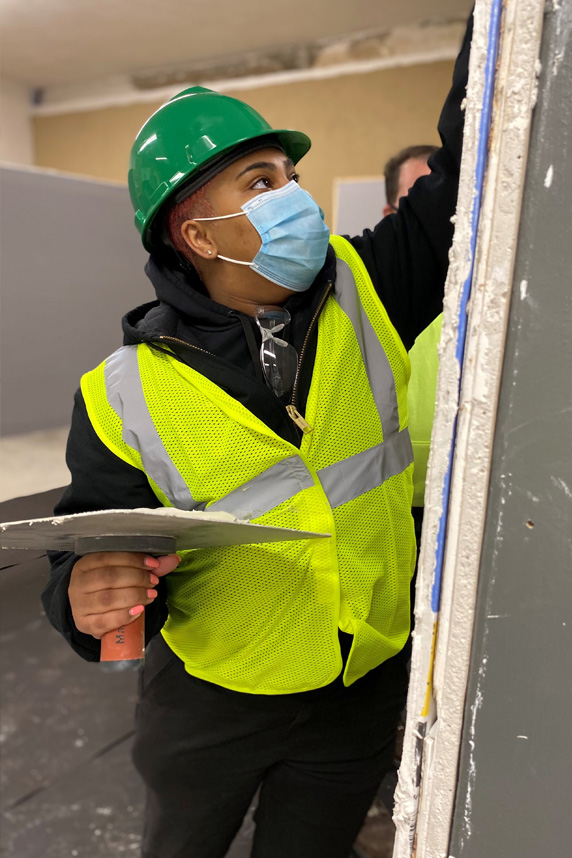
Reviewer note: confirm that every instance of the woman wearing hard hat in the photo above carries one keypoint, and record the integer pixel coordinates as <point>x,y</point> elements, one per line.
<point>268,380</point>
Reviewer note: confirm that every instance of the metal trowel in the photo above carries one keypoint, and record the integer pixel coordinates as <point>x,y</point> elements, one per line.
<point>150,531</point>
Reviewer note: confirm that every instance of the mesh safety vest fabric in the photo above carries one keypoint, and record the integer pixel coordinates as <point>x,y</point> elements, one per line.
<point>264,618</point>
<point>421,402</point>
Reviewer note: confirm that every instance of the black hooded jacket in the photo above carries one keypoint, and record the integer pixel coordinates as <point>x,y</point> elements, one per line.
<point>406,256</point>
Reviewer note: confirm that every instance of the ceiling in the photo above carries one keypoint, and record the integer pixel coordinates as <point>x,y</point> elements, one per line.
<point>48,42</point>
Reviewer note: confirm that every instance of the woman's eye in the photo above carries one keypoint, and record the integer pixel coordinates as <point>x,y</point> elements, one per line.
<point>262,183</point>
<point>295,177</point>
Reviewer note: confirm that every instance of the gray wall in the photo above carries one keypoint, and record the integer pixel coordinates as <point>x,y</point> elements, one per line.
<point>71,264</point>
<point>358,205</point>
<point>514,795</point>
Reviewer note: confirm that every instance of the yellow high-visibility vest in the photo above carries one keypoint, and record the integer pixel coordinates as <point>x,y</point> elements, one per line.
<point>264,618</point>
<point>421,401</point>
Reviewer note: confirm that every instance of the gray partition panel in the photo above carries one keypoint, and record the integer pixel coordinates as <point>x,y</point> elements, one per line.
<point>358,205</point>
<point>71,264</point>
<point>514,795</point>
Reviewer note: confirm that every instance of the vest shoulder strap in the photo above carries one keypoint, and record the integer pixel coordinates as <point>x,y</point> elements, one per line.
<point>107,423</point>
<point>348,254</point>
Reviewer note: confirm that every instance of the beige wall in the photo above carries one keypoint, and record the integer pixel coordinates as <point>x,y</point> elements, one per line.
<point>356,122</point>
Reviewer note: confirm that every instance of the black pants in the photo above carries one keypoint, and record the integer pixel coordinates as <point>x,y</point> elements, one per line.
<point>317,757</point>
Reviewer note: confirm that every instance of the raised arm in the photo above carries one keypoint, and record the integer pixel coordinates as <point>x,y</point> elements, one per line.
<point>407,252</point>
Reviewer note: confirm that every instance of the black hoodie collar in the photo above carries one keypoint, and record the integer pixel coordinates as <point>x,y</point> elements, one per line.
<point>222,351</point>
<point>183,311</point>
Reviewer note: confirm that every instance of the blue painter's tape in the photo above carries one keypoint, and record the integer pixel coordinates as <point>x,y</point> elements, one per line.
<point>482,148</point>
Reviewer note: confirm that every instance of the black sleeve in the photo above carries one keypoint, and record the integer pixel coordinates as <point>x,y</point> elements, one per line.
<point>100,480</point>
<point>406,254</point>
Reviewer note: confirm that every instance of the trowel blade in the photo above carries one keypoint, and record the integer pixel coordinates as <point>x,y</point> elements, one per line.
<point>194,529</point>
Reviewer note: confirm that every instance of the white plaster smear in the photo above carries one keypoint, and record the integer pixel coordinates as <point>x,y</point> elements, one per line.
<point>173,512</point>
<point>549,176</point>
<point>560,484</point>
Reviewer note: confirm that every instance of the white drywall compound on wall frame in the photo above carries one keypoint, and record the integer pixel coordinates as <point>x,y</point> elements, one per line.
<point>465,418</point>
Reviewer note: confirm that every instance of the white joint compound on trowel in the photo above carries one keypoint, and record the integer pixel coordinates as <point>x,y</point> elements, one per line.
<point>173,512</point>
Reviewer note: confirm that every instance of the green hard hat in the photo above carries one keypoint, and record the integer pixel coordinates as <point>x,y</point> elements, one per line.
<point>184,138</point>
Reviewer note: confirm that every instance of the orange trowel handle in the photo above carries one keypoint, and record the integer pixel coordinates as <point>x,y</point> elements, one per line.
<point>127,642</point>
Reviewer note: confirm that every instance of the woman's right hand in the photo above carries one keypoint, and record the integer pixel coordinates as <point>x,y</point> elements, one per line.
<point>110,589</point>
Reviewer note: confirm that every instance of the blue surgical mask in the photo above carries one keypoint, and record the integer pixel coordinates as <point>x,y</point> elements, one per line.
<point>293,233</point>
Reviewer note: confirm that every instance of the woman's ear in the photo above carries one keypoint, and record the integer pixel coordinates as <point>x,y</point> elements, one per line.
<point>197,237</point>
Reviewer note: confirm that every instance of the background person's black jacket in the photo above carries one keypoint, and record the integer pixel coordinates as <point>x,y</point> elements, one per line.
<point>406,256</point>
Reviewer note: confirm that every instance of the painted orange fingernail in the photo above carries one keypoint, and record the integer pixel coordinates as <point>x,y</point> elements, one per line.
<point>138,609</point>
<point>153,579</point>
<point>151,562</point>
<point>151,594</point>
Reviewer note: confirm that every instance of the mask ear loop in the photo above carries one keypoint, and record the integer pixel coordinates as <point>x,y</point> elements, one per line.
<point>225,217</point>
<point>236,261</point>
<point>220,217</point>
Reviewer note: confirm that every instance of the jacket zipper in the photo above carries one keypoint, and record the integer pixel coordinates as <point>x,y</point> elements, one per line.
<point>293,412</point>
<point>184,343</point>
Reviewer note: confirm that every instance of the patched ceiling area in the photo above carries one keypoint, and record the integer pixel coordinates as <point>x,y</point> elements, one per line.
<point>50,42</point>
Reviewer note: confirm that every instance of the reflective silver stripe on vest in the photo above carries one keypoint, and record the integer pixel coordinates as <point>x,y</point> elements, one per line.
<point>125,395</point>
<point>376,362</point>
<point>268,490</point>
<point>342,481</point>
<point>346,480</point>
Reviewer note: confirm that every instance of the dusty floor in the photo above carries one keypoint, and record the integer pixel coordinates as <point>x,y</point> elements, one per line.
<point>67,784</point>
<point>32,463</point>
